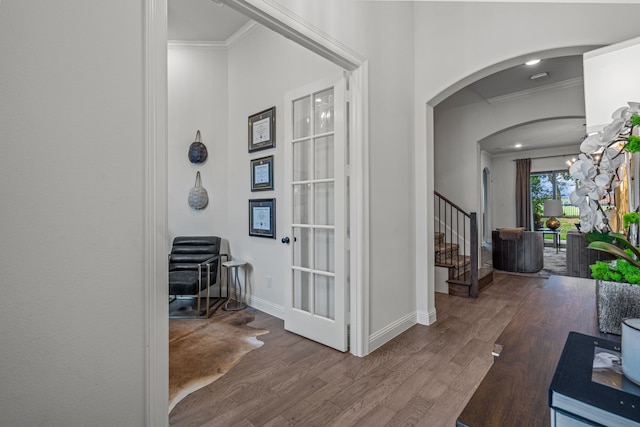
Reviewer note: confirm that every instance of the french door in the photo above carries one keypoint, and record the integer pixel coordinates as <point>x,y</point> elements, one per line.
<point>316,202</point>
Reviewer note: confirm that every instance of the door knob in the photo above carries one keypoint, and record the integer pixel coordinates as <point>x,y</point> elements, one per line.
<point>285,240</point>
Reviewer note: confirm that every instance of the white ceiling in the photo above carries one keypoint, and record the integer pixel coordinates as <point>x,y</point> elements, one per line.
<point>516,81</point>
<point>208,21</point>
<point>202,20</point>
<point>552,133</point>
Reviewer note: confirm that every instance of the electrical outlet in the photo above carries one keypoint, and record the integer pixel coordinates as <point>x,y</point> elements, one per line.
<point>269,281</point>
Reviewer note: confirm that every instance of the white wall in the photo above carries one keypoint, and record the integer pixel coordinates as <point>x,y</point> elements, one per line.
<point>71,185</point>
<point>197,101</point>
<point>383,33</point>
<point>263,66</point>
<point>611,80</point>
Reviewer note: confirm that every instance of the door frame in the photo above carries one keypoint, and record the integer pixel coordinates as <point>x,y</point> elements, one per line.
<point>156,327</point>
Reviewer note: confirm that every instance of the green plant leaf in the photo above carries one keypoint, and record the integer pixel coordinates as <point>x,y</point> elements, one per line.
<point>616,239</point>
<point>614,250</point>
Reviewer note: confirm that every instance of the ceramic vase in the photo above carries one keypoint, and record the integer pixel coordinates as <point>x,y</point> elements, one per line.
<point>630,344</point>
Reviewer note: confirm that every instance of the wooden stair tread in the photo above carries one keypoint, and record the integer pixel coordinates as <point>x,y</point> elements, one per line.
<point>453,261</point>
<point>446,247</point>
<point>461,286</point>
<point>447,255</point>
<point>483,273</point>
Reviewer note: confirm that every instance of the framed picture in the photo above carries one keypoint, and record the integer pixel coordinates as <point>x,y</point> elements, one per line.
<point>262,130</point>
<point>262,174</point>
<point>262,218</point>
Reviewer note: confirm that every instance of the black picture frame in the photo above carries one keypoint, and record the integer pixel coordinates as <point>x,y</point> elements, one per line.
<point>262,174</point>
<point>262,130</point>
<point>262,218</point>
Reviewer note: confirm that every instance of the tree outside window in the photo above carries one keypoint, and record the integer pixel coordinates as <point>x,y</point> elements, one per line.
<point>553,185</point>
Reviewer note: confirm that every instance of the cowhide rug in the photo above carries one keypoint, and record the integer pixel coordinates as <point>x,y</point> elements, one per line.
<point>203,350</point>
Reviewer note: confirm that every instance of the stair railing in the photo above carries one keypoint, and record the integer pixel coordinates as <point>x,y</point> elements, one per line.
<point>461,228</point>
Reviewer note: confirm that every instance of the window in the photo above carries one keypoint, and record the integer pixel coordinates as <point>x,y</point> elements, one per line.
<point>552,185</point>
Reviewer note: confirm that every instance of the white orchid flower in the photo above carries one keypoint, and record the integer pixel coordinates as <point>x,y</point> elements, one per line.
<point>601,180</point>
<point>578,199</point>
<point>587,219</point>
<point>595,177</point>
<point>582,169</point>
<point>591,218</point>
<point>591,143</point>
<point>611,131</point>
<point>620,113</point>
<point>611,159</point>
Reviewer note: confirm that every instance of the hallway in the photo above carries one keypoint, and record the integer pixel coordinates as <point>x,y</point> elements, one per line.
<point>424,377</point>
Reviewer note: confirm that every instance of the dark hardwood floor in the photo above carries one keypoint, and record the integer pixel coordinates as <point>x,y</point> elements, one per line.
<point>423,377</point>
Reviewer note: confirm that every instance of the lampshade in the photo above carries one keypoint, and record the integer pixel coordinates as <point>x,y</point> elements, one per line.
<point>552,207</point>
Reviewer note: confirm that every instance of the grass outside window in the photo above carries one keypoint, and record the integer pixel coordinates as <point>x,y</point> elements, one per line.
<point>566,224</point>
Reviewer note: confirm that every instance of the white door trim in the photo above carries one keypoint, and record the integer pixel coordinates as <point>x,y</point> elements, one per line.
<point>156,288</point>
<point>359,241</point>
<point>278,18</point>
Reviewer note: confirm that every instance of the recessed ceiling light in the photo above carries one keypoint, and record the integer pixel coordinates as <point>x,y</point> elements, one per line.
<point>518,145</point>
<point>532,62</point>
<point>542,75</point>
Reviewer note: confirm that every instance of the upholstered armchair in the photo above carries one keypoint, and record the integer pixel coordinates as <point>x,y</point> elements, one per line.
<point>517,250</point>
<point>195,276</point>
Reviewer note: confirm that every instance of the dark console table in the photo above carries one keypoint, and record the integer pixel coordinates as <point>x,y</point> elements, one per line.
<point>515,390</point>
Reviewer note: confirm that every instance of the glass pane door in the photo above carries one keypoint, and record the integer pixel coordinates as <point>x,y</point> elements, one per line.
<point>313,196</point>
<point>316,212</point>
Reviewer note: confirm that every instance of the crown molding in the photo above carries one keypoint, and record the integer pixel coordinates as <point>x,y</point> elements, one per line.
<point>578,81</point>
<point>179,44</point>
<point>241,34</point>
<point>245,30</point>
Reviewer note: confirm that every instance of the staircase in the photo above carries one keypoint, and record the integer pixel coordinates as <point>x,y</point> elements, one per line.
<point>456,248</point>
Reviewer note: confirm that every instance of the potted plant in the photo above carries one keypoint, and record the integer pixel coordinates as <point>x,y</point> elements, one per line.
<point>598,171</point>
<point>537,221</point>
<point>617,281</point>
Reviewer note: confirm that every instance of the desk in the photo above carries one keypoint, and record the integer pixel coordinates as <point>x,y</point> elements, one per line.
<point>232,271</point>
<point>556,236</point>
<point>515,390</point>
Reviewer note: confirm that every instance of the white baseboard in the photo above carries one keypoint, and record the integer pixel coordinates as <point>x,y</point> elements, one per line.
<point>267,306</point>
<point>375,340</point>
<point>426,318</point>
<point>391,331</point>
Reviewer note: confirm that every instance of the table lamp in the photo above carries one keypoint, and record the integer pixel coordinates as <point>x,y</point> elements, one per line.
<point>552,209</point>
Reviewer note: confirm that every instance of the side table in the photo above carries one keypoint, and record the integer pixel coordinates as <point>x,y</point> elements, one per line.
<point>232,270</point>
<point>556,236</point>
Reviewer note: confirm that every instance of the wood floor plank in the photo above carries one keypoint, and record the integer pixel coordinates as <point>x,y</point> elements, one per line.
<point>411,413</point>
<point>378,417</point>
<point>423,377</point>
<point>287,399</point>
<point>374,398</point>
